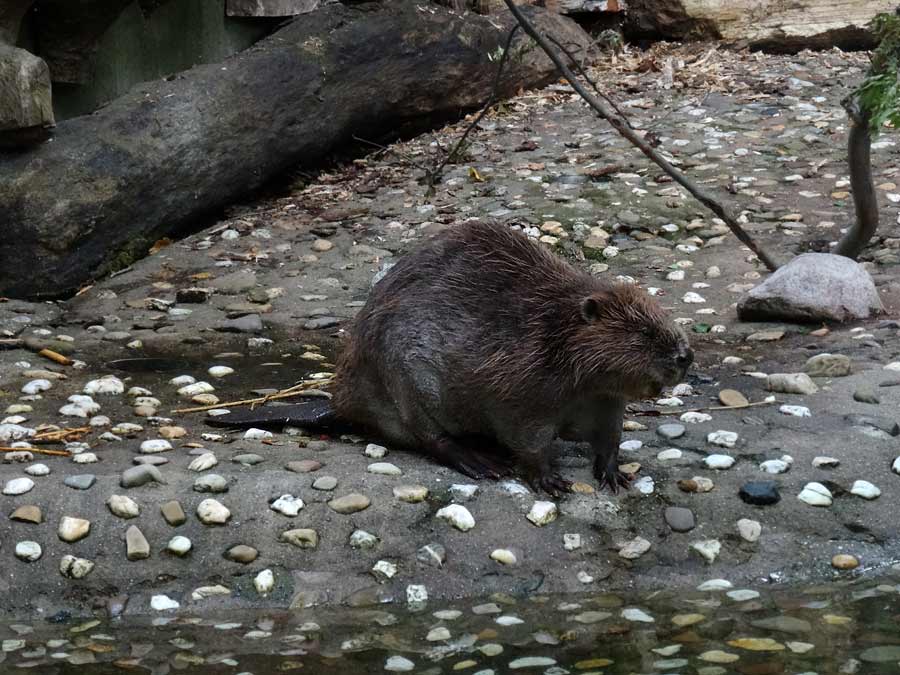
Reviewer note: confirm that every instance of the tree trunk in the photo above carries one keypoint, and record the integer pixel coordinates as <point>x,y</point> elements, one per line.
<point>859,163</point>
<point>170,153</point>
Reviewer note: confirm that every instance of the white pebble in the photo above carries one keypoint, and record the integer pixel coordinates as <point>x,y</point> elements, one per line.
<point>375,451</point>
<point>631,446</point>
<point>645,485</point>
<point>15,432</point>
<point>715,585</point>
<point>182,380</point>
<point>398,664</point>
<point>722,438</point>
<point>37,470</point>
<point>634,549</point>
<point>750,530</point>
<point>123,507</point>
<point>795,410</point>
<point>155,445</point>
<point>205,461</point>
<point>254,434</point>
<point>675,275</point>
<point>571,542</point>
<point>865,489</point>
<point>36,387</point>
<point>774,466</point>
<point>288,505</point>
<point>18,486</point>
<point>895,467</point>
<point>695,417</point>
<point>708,549</point>
<point>384,469</point>
<point>220,371</point>
<point>670,402</point>
<point>638,615</point>
<point>719,461</point>
<point>692,298</point>
<point>458,516</point>
<point>264,582</point>
<point>161,603</point>
<point>542,513</point>
<point>823,462</point>
<point>669,454</point>
<point>108,384</point>
<point>29,551</point>
<point>179,545</point>
<point>815,494</point>
<point>191,390</point>
<point>742,595</point>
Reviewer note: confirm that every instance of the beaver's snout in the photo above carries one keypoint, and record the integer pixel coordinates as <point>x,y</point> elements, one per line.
<point>684,357</point>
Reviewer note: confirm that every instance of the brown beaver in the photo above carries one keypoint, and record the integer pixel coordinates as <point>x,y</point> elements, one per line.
<point>483,336</point>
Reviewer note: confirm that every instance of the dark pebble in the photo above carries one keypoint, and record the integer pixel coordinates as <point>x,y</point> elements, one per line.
<point>760,492</point>
<point>680,519</point>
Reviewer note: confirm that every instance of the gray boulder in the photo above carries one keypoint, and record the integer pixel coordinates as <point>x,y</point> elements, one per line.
<point>810,288</point>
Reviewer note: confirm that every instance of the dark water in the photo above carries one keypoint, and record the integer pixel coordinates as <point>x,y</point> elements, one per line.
<point>846,627</point>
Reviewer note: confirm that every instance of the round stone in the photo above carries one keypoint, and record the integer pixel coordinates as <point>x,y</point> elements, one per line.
<point>123,507</point>
<point>211,512</point>
<point>680,519</point>
<point>37,470</point>
<point>140,475</point>
<point>242,554</point>
<point>179,545</point>
<point>326,483</point>
<point>18,486</point>
<point>384,469</point>
<point>411,494</point>
<point>72,529</point>
<point>303,466</point>
<point>717,461</point>
<point>155,445</point>
<point>288,505</point>
<point>162,603</point>
<point>211,482</point>
<point>827,365</point>
<point>816,494</point>
<point>733,398</point>
<point>248,459</point>
<point>172,432</point>
<point>29,551</point>
<point>670,431</point>
<point>375,451</point>
<point>542,513</point>
<point>669,454</point>
<point>264,582</point>
<point>634,549</point>
<point>865,489</point>
<point>843,561</point>
<point>458,516</point>
<point>503,556</point>
<point>350,503</point>
<point>749,530</point>
<point>760,492</point>
<point>220,371</point>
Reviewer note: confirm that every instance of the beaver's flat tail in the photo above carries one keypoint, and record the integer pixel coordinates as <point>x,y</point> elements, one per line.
<point>315,415</point>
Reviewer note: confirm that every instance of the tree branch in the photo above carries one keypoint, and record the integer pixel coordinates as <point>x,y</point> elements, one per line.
<point>621,126</point>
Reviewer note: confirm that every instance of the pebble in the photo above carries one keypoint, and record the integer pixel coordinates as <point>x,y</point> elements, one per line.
<point>163,603</point>
<point>749,530</point>
<point>631,446</point>
<point>503,556</point>
<point>258,435</point>
<point>532,661</point>
<point>288,505</point>
<point>791,383</point>
<point>865,489</point>
<point>695,417</point>
<point>458,516</point>
<point>141,474</point>
<point>637,615</point>
<point>815,494</point>
<point>248,459</point>
<point>220,371</point>
<point>722,438</point>
<point>20,456</point>
<point>827,365</point>
<point>27,514</point>
<point>179,545</point>
<point>669,454</point>
<point>438,634</point>
<point>760,492</point>
<point>375,451</point>
<point>363,540</point>
<point>432,554</point>
<point>895,467</point>
<point>411,494</point>
<point>384,469</point>
<point>18,486</point>
<point>205,461</point>
<point>708,549</point>
<point>542,513</point>
<point>823,462</point>
<point>170,433</point>
<point>80,406</point>
<point>108,384</point>
<point>350,503</point>
<point>670,431</point>
<point>80,482</point>
<point>679,519</point>
<point>123,507</point>
<point>85,458</point>
<point>211,482</point>
<point>156,445</point>
<point>301,538</point>
<point>571,541</point>
<point>715,585</point>
<point>733,398</point>
<point>36,387</point>
<point>634,549</point>
<point>37,470</point>
<point>843,561</point>
<point>15,432</point>
<point>384,570</point>
<point>717,461</point>
<point>742,595</point>
<point>696,484</point>
<point>795,410</point>
<point>72,529</point>
<point>212,512</point>
<point>326,483</point>
<point>644,485</point>
<point>242,554</point>
<point>398,664</point>
<point>29,551</point>
<point>173,513</point>
<point>865,394</point>
<point>136,546</point>
<point>75,568</point>
<point>303,466</point>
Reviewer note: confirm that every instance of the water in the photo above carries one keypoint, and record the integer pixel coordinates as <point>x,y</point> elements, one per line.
<point>847,627</point>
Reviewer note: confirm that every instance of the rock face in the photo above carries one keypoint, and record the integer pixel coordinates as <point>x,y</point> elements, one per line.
<point>769,24</point>
<point>352,59</point>
<point>813,287</point>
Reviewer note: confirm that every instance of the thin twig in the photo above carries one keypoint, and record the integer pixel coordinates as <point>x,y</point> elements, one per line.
<point>40,451</point>
<point>296,390</point>
<point>622,127</point>
<point>435,176</point>
<point>658,413</point>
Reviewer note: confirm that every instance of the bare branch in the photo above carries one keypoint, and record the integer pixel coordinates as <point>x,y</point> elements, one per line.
<point>625,130</point>
<point>859,142</point>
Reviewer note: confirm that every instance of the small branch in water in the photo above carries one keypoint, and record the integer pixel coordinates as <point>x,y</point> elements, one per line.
<point>621,126</point>
<point>296,390</point>
<point>39,451</point>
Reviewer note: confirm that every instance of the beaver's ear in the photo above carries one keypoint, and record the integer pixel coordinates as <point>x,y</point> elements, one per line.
<point>590,309</point>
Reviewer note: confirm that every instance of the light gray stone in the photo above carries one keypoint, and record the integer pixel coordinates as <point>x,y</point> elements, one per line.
<point>813,287</point>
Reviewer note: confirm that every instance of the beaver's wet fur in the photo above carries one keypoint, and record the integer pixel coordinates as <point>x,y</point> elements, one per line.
<point>481,337</point>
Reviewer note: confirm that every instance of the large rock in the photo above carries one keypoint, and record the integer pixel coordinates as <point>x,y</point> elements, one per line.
<point>26,110</point>
<point>170,152</point>
<point>269,7</point>
<point>813,287</point>
<point>770,24</point>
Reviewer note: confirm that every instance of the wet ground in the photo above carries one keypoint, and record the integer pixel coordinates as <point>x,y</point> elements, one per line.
<point>280,279</point>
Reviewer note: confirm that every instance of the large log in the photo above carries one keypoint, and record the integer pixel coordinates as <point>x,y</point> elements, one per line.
<point>768,24</point>
<point>172,152</point>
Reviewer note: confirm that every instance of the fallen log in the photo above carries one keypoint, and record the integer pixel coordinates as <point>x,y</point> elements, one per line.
<point>171,153</point>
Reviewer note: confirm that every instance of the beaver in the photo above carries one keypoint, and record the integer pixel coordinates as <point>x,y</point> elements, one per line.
<point>481,339</point>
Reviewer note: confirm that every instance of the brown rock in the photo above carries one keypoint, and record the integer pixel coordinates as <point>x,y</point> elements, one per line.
<point>304,466</point>
<point>732,398</point>
<point>173,513</point>
<point>242,554</point>
<point>27,514</point>
<point>172,432</point>
<point>843,561</point>
<point>136,546</point>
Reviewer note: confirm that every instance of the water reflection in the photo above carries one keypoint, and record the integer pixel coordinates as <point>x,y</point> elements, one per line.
<point>841,627</point>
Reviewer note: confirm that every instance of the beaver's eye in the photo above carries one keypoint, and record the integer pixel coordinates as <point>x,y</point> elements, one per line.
<point>647,331</point>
